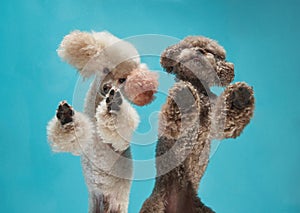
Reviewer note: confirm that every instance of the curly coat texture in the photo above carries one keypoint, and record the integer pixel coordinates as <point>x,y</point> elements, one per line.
<point>101,135</point>
<point>191,117</point>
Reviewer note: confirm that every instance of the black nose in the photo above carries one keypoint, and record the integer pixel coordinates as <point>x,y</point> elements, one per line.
<point>106,87</point>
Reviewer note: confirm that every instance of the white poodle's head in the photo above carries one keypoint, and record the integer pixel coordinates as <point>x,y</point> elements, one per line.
<point>116,60</point>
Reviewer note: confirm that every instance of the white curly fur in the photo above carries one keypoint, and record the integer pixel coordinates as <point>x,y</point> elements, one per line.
<point>97,143</point>
<point>116,129</point>
<point>91,52</point>
<point>100,137</point>
<point>71,137</point>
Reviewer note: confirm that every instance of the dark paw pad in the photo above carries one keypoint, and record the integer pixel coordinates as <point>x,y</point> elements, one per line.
<point>64,113</point>
<point>114,100</point>
<point>241,98</point>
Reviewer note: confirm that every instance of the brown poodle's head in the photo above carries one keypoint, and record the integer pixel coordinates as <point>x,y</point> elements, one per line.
<point>115,60</point>
<point>198,58</point>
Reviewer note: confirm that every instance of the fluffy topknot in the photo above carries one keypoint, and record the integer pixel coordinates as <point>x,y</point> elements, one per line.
<point>93,52</point>
<point>78,48</point>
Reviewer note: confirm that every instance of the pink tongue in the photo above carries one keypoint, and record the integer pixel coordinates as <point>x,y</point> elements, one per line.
<point>140,86</point>
<point>144,98</point>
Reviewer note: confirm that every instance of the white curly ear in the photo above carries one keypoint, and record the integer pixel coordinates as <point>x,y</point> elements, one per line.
<point>92,52</point>
<point>78,48</point>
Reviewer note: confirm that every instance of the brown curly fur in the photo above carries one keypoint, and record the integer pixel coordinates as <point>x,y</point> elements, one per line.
<point>191,118</point>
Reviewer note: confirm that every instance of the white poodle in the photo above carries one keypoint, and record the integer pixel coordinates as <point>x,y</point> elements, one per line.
<point>101,135</point>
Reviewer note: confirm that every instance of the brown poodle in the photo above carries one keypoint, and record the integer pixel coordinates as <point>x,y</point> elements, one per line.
<point>191,118</point>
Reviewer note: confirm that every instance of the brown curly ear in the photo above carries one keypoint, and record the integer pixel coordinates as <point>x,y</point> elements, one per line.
<point>225,72</point>
<point>170,57</point>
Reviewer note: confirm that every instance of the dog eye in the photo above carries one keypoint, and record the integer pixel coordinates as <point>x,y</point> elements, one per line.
<point>122,80</point>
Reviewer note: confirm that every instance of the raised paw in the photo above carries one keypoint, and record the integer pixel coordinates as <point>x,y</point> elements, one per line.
<point>64,113</point>
<point>233,111</point>
<point>241,97</point>
<point>113,101</point>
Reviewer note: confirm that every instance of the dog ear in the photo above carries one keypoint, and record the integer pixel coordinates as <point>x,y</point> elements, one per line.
<point>93,52</point>
<point>78,48</point>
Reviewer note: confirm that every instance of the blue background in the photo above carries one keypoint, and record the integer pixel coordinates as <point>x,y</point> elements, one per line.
<point>258,172</point>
